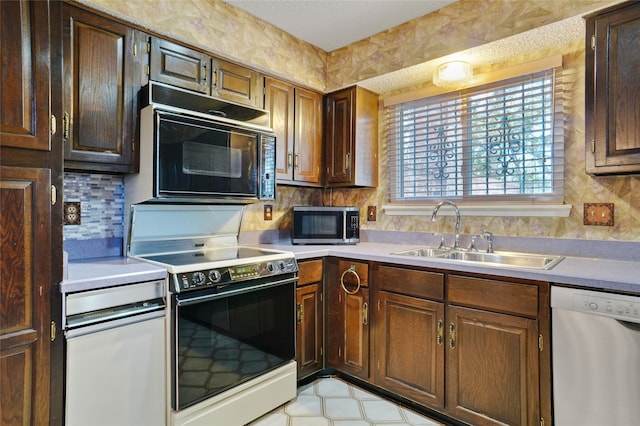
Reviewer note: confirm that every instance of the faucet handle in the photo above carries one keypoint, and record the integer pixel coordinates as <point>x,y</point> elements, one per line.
<point>472,247</point>
<point>441,245</point>
<point>488,236</point>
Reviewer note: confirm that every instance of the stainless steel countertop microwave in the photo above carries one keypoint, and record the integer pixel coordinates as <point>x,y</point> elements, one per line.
<point>325,225</point>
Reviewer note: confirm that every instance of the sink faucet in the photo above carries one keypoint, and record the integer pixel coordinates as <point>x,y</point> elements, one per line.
<point>456,241</point>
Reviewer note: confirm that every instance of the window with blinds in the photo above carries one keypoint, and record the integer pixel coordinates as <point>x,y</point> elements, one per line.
<point>502,141</point>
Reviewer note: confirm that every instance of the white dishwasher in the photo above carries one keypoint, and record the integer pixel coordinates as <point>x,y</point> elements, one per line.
<point>115,370</point>
<point>596,358</point>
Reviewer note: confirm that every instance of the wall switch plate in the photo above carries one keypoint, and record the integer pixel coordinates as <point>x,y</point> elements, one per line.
<point>598,214</point>
<point>268,212</point>
<point>72,213</point>
<point>371,213</point>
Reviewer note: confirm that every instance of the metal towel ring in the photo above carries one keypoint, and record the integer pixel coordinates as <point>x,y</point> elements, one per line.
<point>351,269</point>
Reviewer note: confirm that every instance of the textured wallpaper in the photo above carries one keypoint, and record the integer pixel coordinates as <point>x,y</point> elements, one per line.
<point>236,35</point>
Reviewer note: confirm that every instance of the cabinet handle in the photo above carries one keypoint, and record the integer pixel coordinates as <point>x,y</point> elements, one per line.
<point>290,159</point>
<point>365,313</point>
<point>300,313</point>
<point>352,270</point>
<point>204,75</point>
<point>347,161</point>
<point>452,336</point>
<point>214,77</point>
<point>440,332</point>
<point>65,126</point>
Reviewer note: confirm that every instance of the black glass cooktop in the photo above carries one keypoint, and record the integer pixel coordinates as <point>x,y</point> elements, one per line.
<point>208,255</point>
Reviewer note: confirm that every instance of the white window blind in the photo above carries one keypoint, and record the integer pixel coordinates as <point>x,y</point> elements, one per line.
<point>503,141</point>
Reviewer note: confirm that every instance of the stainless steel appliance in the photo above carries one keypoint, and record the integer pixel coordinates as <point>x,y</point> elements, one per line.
<point>196,148</point>
<point>232,313</point>
<point>325,225</point>
<point>116,371</point>
<point>596,357</point>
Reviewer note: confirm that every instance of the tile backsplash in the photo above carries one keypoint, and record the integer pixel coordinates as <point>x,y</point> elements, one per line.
<point>101,200</point>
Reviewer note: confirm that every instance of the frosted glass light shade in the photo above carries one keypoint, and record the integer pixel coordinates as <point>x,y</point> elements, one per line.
<point>452,74</point>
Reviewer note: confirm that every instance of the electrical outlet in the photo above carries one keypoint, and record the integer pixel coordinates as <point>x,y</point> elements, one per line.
<point>268,212</point>
<point>598,214</point>
<point>371,213</point>
<point>72,213</point>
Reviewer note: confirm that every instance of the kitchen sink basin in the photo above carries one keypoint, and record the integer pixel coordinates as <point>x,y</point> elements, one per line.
<point>509,259</point>
<point>425,252</point>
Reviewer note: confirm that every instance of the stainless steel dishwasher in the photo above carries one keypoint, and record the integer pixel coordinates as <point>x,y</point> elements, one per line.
<point>115,370</point>
<point>596,358</point>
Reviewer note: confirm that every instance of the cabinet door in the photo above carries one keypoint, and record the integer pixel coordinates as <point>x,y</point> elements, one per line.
<point>355,349</point>
<point>410,348</point>
<point>309,329</point>
<point>178,65</point>
<point>25,76</point>
<point>235,83</point>
<point>279,101</point>
<point>308,136</point>
<point>492,368</point>
<point>99,93</point>
<point>347,319</point>
<point>339,136</point>
<point>613,91</point>
<point>25,222</point>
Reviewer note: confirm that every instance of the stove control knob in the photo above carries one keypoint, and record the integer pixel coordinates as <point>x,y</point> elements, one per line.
<point>198,278</point>
<point>214,275</point>
<point>281,265</point>
<point>270,267</point>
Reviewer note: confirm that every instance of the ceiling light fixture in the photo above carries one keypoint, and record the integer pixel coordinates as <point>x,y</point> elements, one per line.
<point>452,74</point>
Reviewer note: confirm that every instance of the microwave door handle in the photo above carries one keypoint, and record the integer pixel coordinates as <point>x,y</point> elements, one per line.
<point>344,226</point>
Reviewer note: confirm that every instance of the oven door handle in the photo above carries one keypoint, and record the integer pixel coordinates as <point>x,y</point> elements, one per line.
<point>190,300</point>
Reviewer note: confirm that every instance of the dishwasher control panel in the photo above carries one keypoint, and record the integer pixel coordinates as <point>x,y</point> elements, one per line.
<point>620,306</point>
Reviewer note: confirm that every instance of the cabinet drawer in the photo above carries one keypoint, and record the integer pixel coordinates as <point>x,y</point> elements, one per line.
<point>424,284</point>
<point>309,272</point>
<point>499,296</point>
<point>360,268</point>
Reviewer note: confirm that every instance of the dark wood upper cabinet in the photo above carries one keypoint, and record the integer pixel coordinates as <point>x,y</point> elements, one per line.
<point>25,76</point>
<point>296,119</point>
<point>100,93</point>
<point>235,83</point>
<point>612,94</point>
<point>181,66</point>
<point>188,68</point>
<point>351,137</point>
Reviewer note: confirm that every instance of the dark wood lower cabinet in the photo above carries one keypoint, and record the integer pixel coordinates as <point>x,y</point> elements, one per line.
<point>310,318</point>
<point>469,347</point>
<point>410,359</point>
<point>347,317</point>
<point>24,295</point>
<point>492,368</point>
<point>309,329</point>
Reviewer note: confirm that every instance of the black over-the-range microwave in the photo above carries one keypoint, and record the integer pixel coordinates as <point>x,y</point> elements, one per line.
<point>196,148</point>
<point>325,225</point>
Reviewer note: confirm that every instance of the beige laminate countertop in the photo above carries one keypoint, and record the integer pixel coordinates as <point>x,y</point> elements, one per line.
<point>594,273</point>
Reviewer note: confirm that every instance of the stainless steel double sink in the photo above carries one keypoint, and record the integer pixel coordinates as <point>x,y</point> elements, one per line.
<point>508,259</point>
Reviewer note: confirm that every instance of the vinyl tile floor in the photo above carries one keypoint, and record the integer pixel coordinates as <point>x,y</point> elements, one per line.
<point>334,402</point>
